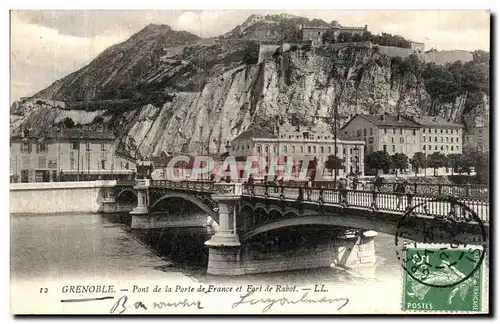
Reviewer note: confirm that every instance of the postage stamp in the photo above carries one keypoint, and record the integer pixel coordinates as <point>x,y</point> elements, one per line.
<point>440,277</point>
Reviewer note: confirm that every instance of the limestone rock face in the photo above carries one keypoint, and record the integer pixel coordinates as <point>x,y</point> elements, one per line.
<point>210,92</point>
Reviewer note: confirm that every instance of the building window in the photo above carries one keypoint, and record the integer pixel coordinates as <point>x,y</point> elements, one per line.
<point>441,139</point>
<point>293,148</point>
<point>308,149</point>
<point>435,139</point>
<point>314,149</point>
<point>344,151</point>
<point>89,146</point>
<point>385,130</point>
<point>442,147</point>
<point>400,131</point>
<point>321,150</point>
<point>42,162</point>
<point>103,146</point>
<point>41,147</point>
<point>435,147</point>
<point>25,147</point>
<point>358,132</point>
<point>393,131</point>
<point>447,131</point>
<point>258,149</point>
<point>385,148</point>
<point>266,149</point>
<point>103,164</point>
<point>285,149</point>
<point>392,139</point>
<point>371,131</point>
<point>452,147</point>
<point>75,145</point>
<point>274,149</point>
<point>414,132</point>
<point>423,130</point>
<point>447,147</point>
<point>394,148</point>
<point>329,149</point>
<point>424,139</point>
<point>364,132</point>
<point>301,149</point>
<point>441,131</point>
<point>402,140</point>
<point>72,160</point>
<point>452,139</point>
<point>430,147</point>
<point>423,147</point>
<point>457,148</point>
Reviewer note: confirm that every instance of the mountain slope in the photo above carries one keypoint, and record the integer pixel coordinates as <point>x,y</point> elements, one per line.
<point>120,65</point>
<point>167,90</point>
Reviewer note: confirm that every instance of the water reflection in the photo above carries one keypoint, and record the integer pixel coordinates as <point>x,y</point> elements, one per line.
<point>66,245</point>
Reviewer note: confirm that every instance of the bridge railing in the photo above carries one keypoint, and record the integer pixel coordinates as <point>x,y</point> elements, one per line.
<point>468,191</point>
<point>199,186</point>
<point>127,183</point>
<point>427,205</point>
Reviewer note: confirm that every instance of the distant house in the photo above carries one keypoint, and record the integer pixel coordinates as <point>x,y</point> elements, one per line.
<point>316,34</point>
<point>404,134</point>
<point>68,155</point>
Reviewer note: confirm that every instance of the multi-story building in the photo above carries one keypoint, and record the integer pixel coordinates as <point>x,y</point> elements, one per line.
<point>384,133</point>
<point>407,135</point>
<point>297,141</point>
<point>477,138</point>
<point>66,155</point>
<point>316,34</point>
<point>440,135</point>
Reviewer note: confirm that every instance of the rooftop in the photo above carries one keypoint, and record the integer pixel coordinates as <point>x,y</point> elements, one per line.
<point>255,133</point>
<point>435,121</point>
<point>389,121</point>
<point>69,134</point>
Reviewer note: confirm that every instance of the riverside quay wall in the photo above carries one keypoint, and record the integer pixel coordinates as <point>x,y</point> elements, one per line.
<point>58,197</point>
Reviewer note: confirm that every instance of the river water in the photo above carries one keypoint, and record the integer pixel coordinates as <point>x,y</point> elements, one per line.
<point>96,249</point>
<point>65,246</point>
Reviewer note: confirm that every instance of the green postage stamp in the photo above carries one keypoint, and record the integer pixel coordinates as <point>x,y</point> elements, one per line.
<point>443,277</point>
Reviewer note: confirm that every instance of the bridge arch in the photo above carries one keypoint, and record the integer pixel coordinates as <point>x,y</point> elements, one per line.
<point>126,192</point>
<point>197,202</point>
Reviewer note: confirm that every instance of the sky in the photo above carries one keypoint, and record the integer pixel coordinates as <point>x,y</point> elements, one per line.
<point>47,45</point>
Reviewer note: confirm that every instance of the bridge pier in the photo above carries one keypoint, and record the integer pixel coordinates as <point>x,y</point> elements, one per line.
<point>140,214</point>
<point>357,250</point>
<point>108,203</point>
<point>224,247</point>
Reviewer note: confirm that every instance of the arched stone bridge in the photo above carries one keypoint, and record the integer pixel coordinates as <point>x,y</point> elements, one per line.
<point>244,212</point>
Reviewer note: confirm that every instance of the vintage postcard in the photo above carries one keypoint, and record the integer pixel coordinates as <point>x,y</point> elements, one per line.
<point>249,162</point>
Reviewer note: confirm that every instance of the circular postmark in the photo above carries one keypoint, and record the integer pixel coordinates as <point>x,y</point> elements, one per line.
<point>447,242</point>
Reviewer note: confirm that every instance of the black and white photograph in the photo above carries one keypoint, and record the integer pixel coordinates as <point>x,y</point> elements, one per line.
<point>264,162</point>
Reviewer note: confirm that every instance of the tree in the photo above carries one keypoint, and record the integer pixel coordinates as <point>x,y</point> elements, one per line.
<point>455,162</point>
<point>400,162</point>
<point>418,161</point>
<point>68,122</point>
<point>379,161</point>
<point>98,120</point>
<point>334,162</point>
<point>482,166</point>
<point>436,160</point>
<point>344,37</point>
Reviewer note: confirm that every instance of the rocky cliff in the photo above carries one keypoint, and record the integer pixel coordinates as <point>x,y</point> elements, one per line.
<point>206,92</point>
